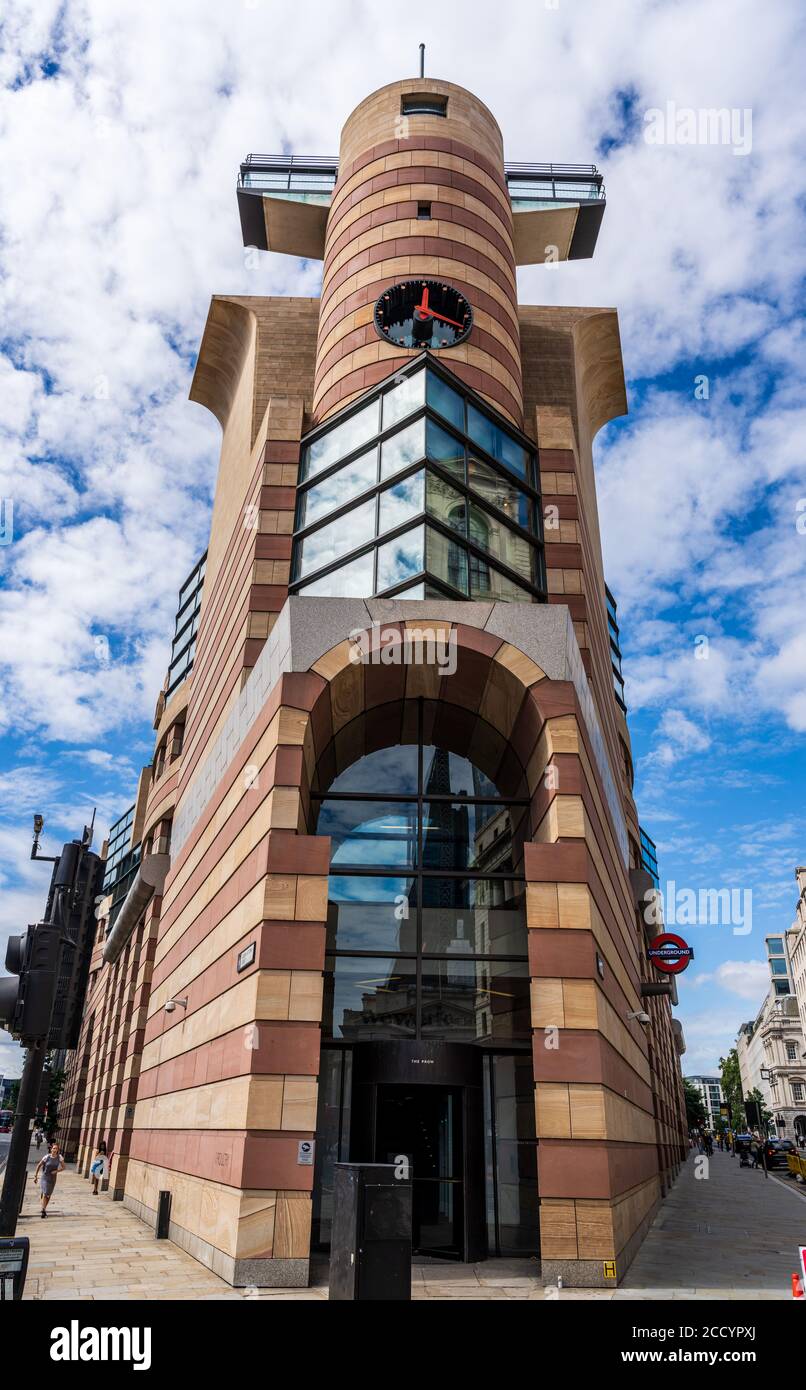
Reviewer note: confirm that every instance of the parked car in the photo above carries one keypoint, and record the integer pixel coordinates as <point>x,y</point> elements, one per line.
<point>777,1151</point>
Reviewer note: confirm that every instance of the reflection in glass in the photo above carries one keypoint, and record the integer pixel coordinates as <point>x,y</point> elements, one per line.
<point>444,449</point>
<point>332,1136</point>
<point>369,997</point>
<point>445,503</point>
<point>496,442</point>
<point>446,401</point>
<point>488,582</point>
<point>400,559</point>
<point>370,833</point>
<point>402,399</point>
<point>338,488</point>
<point>500,493</point>
<point>459,836</point>
<point>371,914</point>
<point>476,1000</point>
<point>403,448</point>
<point>511,1156</point>
<point>501,542</point>
<point>466,916</point>
<point>326,544</point>
<point>340,441</point>
<point>353,580</point>
<point>452,774</point>
<point>402,502</point>
<point>447,560</point>
<point>395,768</point>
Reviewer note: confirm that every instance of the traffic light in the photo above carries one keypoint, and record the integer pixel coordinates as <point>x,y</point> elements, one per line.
<point>26,1004</point>
<point>752,1111</point>
<point>52,959</point>
<point>10,1005</point>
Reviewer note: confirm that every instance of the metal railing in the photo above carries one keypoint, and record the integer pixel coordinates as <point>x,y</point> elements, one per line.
<point>301,173</point>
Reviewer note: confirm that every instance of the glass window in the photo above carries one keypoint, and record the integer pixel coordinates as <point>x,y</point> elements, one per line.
<point>496,442</point>
<point>775,945</point>
<point>488,582</point>
<point>451,774</point>
<point>500,493</point>
<point>447,402</point>
<point>504,544</point>
<point>415,591</point>
<point>473,916</point>
<point>370,833</point>
<point>395,768</point>
<point>338,488</point>
<point>511,1156</point>
<point>447,560</point>
<point>369,997</point>
<point>347,533</point>
<point>445,503</point>
<point>444,449</point>
<point>372,914</point>
<point>403,399</point>
<point>356,430</point>
<point>400,559</point>
<point>402,449</point>
<point>459,836</point>
<point>353,580</point>
<point>402,502</point>
<point>476,1000</point>
<point>778,967</point>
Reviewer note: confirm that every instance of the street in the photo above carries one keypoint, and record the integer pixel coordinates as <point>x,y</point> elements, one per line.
<point>731,1235</point>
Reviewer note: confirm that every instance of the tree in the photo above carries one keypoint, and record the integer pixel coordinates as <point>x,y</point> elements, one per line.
<point>732,1086</point>
<point>695,1110</point>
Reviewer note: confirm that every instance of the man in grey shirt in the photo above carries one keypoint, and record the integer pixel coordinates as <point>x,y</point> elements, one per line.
<point>51,1165</point>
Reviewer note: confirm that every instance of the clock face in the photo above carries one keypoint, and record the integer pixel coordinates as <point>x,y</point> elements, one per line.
<point>423,314</point>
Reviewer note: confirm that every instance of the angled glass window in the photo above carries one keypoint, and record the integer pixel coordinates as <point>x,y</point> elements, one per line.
<point>356,430</point>
<point>496,490</point>
<point>403,399</point>
<point>338,488</point>
<point>401,502</point>
<point>401,559</point>
<point>353,580</point>
<point>447,560</point>
<point>446,450</point>
<point>329,542</point>
<point>487,582</point>
<point>446,504</point>
<point>447,402</point>
<point>504,544</point>
<point>496,442</point>
<point>402,449</point>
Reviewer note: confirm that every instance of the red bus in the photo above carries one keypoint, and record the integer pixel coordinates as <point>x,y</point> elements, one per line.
<point>6,1121</point>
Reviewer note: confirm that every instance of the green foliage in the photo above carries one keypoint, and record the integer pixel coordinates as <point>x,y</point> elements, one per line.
<point>732,1085</point>
<point>696,1117</point>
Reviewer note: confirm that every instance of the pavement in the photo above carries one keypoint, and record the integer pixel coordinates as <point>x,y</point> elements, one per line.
<point>731,1235</point>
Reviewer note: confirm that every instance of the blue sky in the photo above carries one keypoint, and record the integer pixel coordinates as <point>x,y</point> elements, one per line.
<point>121,130</point>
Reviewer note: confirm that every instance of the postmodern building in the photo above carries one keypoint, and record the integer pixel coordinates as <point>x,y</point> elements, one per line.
<point>387,881</point>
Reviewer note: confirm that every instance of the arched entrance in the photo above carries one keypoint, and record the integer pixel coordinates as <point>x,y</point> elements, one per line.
<point>426,1026</point>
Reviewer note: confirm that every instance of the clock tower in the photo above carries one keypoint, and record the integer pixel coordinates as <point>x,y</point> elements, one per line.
<point>401,891</point>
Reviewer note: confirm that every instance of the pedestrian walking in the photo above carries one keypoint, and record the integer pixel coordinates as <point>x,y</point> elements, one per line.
<point>755,1152</point>
<point>38,1138</point>
<point>50,1165</point>
<point>98,1167</point>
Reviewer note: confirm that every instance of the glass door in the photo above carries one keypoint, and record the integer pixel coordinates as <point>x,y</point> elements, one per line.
<point>425,1123</point>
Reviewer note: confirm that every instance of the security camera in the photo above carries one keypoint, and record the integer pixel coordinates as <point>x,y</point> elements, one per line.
<point>640,1015</point>
<point>39,824</point>
<point>172,1003</point>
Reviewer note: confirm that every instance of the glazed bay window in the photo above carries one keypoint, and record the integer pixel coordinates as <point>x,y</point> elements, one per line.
<point>419,491</point>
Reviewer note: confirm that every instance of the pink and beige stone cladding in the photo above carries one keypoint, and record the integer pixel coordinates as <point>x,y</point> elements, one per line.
<point>375,238</point>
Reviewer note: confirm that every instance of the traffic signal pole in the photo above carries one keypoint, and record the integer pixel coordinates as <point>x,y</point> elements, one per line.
<point>14,1181</point>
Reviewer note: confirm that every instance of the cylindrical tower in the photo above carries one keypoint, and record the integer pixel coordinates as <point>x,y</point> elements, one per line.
<point>420,194</point>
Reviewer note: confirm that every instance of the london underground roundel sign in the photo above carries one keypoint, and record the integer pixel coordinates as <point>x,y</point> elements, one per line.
<point>670,953</point>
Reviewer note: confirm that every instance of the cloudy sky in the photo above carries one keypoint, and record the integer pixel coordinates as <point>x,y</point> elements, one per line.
<point>122,124</point>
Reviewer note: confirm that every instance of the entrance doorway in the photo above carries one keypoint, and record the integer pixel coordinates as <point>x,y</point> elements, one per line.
<point>425,1123</point>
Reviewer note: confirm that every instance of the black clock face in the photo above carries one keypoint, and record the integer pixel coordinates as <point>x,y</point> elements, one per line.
<point>423,314</point>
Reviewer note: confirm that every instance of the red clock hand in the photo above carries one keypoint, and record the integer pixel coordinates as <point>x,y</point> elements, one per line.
<point>435,315</point>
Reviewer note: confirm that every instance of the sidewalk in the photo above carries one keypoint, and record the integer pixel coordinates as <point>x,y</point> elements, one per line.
<point>733,1236</point>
